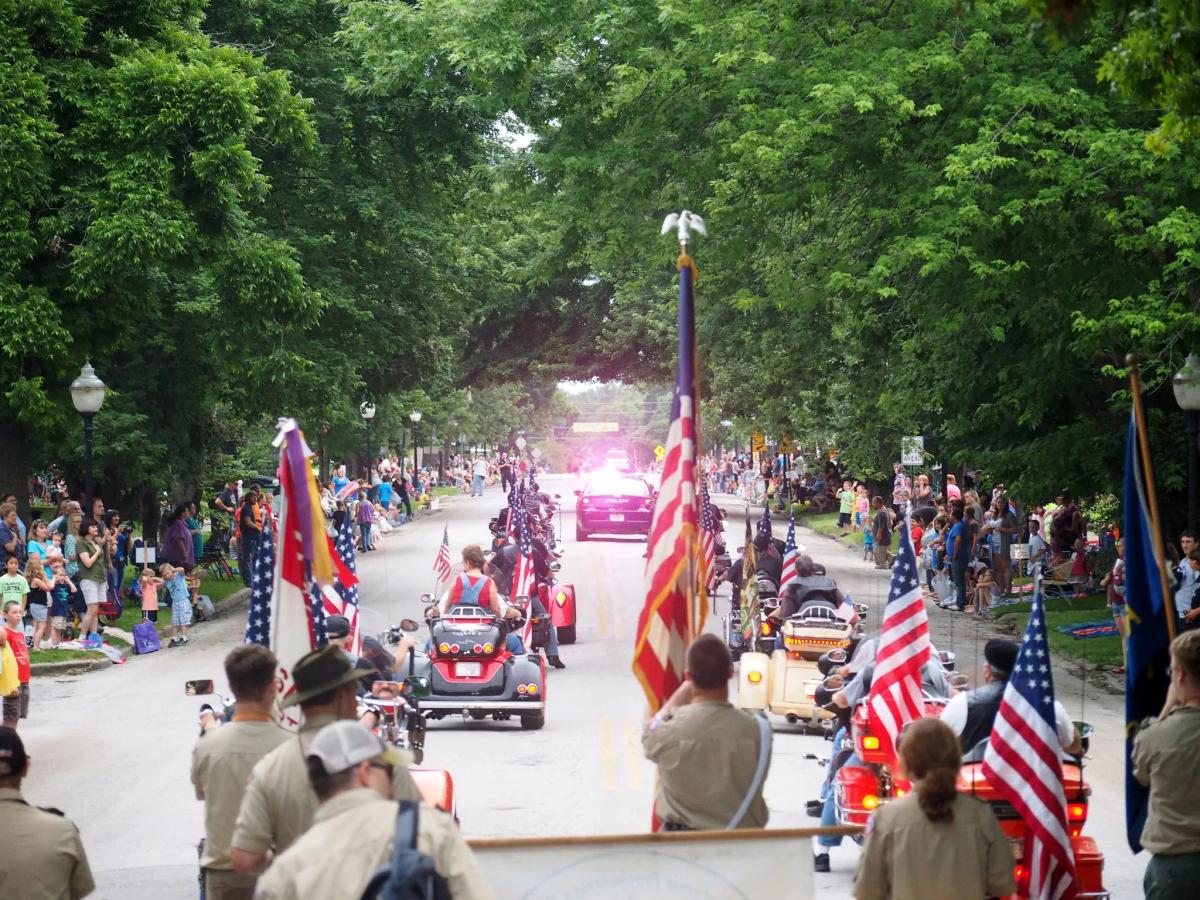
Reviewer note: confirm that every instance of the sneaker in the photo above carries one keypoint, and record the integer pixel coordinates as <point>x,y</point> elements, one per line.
<point>820,862</point>
<point>174,642</point>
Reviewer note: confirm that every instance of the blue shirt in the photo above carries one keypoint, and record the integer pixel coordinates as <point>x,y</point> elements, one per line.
<point>339,482</point>
<point>385,493</point>
<point>177,585</point>
<point>957,544</point>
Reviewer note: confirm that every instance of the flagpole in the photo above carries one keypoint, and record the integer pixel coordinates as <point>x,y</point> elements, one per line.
<point>1139,416</point>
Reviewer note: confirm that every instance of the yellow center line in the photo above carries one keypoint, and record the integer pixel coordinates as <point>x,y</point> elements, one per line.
<point>599,584</point>
<point>608,764</point>
<point>633,754</point>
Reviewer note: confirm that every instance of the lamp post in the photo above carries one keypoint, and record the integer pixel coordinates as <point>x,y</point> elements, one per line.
<point>415,418</point>
<point>367,411</point>
<point>1187,394</point>
<point>87,393</point>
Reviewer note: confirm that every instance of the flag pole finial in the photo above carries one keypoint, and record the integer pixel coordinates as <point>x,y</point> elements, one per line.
<point>684,224</point>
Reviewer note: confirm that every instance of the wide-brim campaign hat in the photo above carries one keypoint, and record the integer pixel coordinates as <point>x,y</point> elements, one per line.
<point>323,670</point>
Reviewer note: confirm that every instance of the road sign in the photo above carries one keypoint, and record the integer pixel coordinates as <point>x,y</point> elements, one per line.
<point>595,427</point>
<point>659,452</point>
<point>536,453</point>
<point>758,443</point>
<point>520,443</point>
<point>912,450</point>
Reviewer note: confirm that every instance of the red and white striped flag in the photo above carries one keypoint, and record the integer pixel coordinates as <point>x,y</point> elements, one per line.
<point>1024,762</point>
<point>845,611</point>
<point>523,581</point>
<point>896,695</point>
<point>441,563</point>
<point>674,609</point>
<point>708,538</point>
<point>789,557</point>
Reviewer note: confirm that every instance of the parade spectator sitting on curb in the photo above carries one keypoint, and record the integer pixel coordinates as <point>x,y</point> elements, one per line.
<point>16,707</point>
<point>986,590</point>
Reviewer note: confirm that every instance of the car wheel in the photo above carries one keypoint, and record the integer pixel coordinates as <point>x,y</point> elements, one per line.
<point>566,634</point>
<point>580,534</point>
<point>533,721</point>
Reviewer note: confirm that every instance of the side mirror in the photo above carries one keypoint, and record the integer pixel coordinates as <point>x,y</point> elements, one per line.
<point>555,566</point>
<point>198,687</point>
<point>577,493</point>
<point>861,608</point>
<point>417,686</point>
<point>947,658</point>
<point>959,681</point>
<point>836,656</point>
<point>427,598</point>
<point>833,683</point>
<point>1086,731</point>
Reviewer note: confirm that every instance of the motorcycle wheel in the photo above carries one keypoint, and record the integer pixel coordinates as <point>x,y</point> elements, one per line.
<point>533,721</point>
<point>580,534</point>
<point>566,634</point>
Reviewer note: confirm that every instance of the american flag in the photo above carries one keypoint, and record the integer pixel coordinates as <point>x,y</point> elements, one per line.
<point>441,564</point>
<point>674,608</point>
<point>262,576</point>
<point>896,698</point>
<point>1023,761</point>
<point>845,610</point>
<point>789,557</point>
<point>341,598</point>
<point>514,500</point>
<point>522,583</point>
<point>708,537</point>
<point>764,523</point>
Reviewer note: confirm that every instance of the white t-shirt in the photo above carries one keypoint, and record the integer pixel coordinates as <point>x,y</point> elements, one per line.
<point>955,715</point>
<point>481,468</point>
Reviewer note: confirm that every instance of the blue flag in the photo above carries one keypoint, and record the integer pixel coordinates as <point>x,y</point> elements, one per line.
<point>1149,641</point>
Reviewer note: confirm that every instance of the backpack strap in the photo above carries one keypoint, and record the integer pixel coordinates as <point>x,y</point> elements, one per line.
<point>406,824</point>
<point>760,772</point>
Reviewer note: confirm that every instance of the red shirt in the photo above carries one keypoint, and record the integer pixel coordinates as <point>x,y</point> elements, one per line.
<point>917,533</point>
<point>16,642</point>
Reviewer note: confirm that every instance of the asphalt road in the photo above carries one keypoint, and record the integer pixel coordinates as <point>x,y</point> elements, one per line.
<point>112,748</point>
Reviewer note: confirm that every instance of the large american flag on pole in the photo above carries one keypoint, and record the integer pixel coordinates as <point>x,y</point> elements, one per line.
<point>708,538</point>
<point>674,608</point>
<point>522,585</point>
<point>896,695</point>
<point>789,557</point>
<point>1023,761</point>
<point>262,575</point>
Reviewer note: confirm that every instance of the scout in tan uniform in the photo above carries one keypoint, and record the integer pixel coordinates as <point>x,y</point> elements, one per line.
<point>352,832</point>
<point>279,803</point>
<point>933,843</point>
<point>41,855</point>
<point>1165,759</point>
<point>224,758</point>
<point>706,750</point>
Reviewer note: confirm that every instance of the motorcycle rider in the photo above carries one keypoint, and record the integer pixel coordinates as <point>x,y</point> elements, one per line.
<point>279,803</point>
<point>224,758</point>
<point>972,714</point>
<point>473,588</point>
<point>353,828</point>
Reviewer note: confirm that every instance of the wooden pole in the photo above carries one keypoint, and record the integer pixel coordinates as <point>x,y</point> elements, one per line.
<point>1139,416</point>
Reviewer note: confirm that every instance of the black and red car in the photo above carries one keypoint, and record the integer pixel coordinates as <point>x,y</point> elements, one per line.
<point>613,503</point>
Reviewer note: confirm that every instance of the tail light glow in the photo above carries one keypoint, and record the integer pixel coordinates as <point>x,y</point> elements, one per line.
<point>870,742</point>
<point>443,647</point>
<point>754,677</point>
<point>870,801</point>
<point>531,688</point>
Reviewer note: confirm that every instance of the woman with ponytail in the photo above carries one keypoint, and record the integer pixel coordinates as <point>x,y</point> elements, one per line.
<point>933,843</point>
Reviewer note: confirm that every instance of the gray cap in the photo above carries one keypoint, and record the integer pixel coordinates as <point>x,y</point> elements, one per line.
<point>344,744</point>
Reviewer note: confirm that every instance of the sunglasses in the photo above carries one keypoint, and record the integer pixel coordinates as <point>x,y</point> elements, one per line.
<point>383,767</point>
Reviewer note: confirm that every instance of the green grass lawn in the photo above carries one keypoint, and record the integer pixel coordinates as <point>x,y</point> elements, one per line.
<point>52,656</point>
<point>1097,651</point>
<point>1057,604</point>
<point>826,523</point>
<point>216,588</point>
<point>446,490</point>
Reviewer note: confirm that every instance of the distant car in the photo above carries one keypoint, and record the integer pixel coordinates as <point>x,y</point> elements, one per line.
<point>617,461</point>
<point>613,504</point>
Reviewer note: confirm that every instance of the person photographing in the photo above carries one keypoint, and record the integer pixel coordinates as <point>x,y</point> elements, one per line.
<point>712,758</point>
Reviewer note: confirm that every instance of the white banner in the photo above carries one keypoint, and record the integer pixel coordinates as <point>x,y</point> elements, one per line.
<point>698,865</point>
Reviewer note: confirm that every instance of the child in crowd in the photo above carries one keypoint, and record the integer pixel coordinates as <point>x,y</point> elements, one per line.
<point>986,590</point>
<point>862,505</point>
<point>181,603</point>
<point>845,507</point>
<point>61,589</point>
<point>1081,566</point>
<point>13,585</point>
<point>16,707</point>
<point>39,600</point>
<point>55,550</point>
<point>150,583</point>
<point>1114,581</point>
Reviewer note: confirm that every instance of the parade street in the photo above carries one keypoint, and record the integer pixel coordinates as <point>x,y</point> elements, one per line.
<point>117,742</point>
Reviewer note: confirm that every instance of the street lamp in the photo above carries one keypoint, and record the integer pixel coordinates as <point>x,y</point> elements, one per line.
<point>367,411</point>
<point>1187,394</point>
<point>414,417</point>
<point>87,393</point>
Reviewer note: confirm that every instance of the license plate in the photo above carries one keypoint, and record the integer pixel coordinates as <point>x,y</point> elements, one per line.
<point>617,517</point>
<point>468,669</point>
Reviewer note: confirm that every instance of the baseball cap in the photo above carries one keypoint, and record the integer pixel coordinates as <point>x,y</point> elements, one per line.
<point>344,744</point>
<point>1001,655</point>
<point>12,752</point>
<point>337,626</point>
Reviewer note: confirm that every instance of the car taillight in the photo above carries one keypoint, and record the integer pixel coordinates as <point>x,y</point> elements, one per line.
<point>870,742</point>
<point>1021,877</point>
<point>648,502</point>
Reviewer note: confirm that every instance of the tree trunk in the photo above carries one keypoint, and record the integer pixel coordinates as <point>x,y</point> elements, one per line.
<point>14,465</point>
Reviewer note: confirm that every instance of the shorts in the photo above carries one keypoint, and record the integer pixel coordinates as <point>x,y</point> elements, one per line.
<point>58,623</point>
<point>181,612</point>
<point>38,612</point>
<point>93,591</point>
<point>843,519</point>
<point>17,707</point>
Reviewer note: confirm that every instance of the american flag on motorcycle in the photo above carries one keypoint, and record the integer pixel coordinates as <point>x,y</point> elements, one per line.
<point>674,608</point>
<point>523,582</point>
<point>514,500</point>
<point>764,523</point>
<point>441,564</point>
<point>708,538</point>
<point>1024,762</point>
<point>896,693</point>
<point>341,598</point>
<point>789,557</point>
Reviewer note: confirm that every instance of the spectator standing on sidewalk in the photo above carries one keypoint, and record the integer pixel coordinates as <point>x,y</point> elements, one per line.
<point>39,600</point>
<point>93,578</point>
<point>506,473</point>
<point>16,707</point>
<point>41,854</point>
<point>11,542</point>
<point>1165,760</point>
<point>480,471</point>
<point>222,523</point>
<point>248,534</point>
<point>364,518</point>
<point>224,758</point>
<point>881,533</point>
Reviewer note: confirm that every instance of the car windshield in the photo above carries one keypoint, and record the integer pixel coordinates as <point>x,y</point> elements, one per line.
<point>617,487</point>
